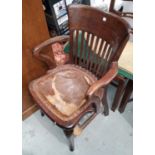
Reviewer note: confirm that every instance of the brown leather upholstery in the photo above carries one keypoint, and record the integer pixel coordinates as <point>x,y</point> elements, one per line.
<point>63,91</point>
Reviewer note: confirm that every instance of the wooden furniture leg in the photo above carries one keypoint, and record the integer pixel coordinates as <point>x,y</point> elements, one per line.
<point>126,96</point>
<point>105,104</point>
<point>70,137</point>
<point>119,92</point>
<point>130,100</point>
<point>42,113</point>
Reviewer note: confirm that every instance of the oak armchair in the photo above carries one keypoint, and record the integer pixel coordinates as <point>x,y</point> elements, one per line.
<point>72,94</point>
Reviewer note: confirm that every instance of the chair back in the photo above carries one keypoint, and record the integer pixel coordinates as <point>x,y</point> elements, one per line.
<point>96,38</point>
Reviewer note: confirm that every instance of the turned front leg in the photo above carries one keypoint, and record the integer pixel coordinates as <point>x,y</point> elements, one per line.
<point>70,137</point>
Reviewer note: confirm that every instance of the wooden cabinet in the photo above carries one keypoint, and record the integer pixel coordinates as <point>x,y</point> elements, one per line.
<point>34,31</point>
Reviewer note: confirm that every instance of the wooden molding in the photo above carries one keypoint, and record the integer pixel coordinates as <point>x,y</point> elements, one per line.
<point>29,111</point>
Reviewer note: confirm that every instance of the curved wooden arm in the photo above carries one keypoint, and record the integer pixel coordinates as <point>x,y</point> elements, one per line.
<point>60,39</point>
<point>105,80</point>
<point>43,57</point>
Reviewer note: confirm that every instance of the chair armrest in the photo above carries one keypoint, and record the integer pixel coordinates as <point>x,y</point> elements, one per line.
<point>43,57</point>
<point>105,80</point>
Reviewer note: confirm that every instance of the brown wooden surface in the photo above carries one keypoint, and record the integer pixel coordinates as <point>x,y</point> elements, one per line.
<point>34,31</point>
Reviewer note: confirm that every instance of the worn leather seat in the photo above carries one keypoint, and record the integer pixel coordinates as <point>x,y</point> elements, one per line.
<point>62,91</point>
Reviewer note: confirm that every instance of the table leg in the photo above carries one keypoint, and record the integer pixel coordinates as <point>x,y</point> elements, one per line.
<point>119,92</point>
<point>105,103</point>
<point>126,96</point>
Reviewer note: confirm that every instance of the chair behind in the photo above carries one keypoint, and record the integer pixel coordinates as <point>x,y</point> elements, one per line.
<point>121,13</point>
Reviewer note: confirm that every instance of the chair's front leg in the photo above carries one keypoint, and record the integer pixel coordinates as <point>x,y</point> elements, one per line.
<point>42,113</point>
<point>70,137</point>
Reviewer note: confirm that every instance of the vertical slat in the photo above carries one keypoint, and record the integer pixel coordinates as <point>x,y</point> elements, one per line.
<point>98,46</point>
<point>109,54</point>
<point>81,48</point>
<point>104,49</point>
<point>76,47</point>
<point>87,47</point>
<point>96,54</point>
<point>99,53</point>
<point>72,44</point>
<point>103,69</point>
<point>93,53</point>
<point>98,69</point>
<point>106,52</point>
<point>105,62</point>
<point>101,48</point>
<point>90,50</point>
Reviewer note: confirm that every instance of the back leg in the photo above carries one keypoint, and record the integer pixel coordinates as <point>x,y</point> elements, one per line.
<point>105,103</point>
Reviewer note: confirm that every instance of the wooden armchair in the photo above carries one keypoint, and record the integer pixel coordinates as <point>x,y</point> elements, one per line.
<point>72,94</point>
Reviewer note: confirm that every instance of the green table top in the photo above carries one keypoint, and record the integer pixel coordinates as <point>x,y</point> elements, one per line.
<point>125,74</point>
